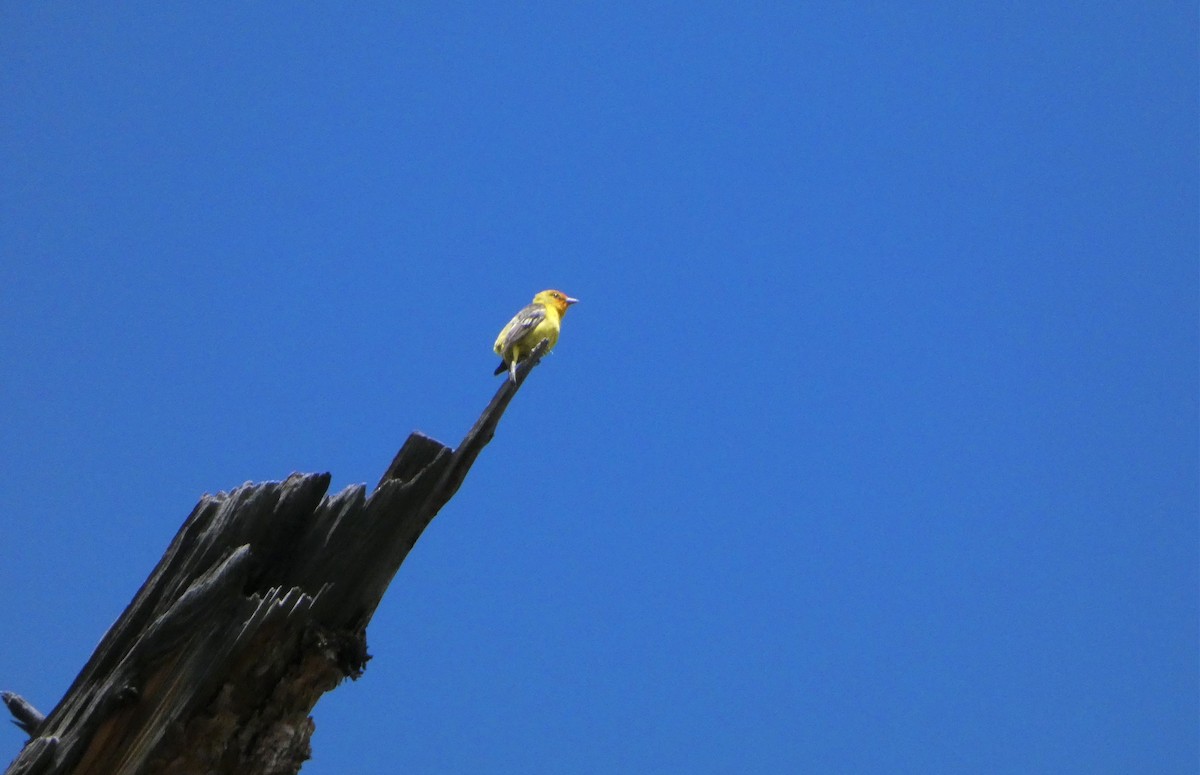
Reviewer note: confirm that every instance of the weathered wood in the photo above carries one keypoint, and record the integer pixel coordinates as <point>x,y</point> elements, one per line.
<point>258,607</point>
<point>25,716</point>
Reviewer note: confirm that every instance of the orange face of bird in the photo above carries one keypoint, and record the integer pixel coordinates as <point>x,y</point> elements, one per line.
<point>557,299</point>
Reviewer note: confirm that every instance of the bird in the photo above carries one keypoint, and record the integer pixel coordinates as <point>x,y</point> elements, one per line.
<point>540,320</point>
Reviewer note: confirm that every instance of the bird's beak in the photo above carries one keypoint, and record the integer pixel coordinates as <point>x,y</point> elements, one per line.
<point>571,301</point>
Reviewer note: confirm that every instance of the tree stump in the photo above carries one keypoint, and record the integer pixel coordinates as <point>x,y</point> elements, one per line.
<point>259,606</point>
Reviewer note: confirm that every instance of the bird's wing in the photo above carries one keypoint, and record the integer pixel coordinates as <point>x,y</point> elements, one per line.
<point>524,322</point>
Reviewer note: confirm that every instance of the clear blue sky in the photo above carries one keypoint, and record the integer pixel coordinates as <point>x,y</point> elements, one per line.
<point>872,446</point>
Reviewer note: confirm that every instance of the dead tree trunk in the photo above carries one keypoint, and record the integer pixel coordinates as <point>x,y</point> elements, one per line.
<point>259,606</point>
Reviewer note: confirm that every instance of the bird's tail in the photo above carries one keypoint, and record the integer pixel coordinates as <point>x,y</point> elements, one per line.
<point>501,368</point>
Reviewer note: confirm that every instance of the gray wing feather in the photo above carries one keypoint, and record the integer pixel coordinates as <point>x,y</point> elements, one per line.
<point>524,322</point>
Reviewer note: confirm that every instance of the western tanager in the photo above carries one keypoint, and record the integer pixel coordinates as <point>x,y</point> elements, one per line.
<point>540,320</point>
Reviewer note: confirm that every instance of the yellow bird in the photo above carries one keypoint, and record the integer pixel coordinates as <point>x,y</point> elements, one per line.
<point>540,320</point>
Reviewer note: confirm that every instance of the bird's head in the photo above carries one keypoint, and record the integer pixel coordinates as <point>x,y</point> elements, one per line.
<point>556,299</point>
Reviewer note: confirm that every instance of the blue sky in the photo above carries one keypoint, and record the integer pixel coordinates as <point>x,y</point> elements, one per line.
<point>871,447</point>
